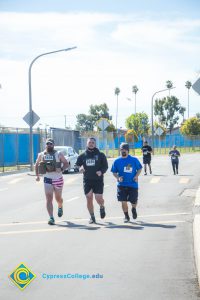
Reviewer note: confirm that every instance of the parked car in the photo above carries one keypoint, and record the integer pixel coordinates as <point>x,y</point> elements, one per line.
<point>70,155</point>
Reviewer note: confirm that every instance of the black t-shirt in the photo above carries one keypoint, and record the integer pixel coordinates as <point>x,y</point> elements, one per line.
<point>146,151</point>
<point>93,161</point>
<point>174,155</point>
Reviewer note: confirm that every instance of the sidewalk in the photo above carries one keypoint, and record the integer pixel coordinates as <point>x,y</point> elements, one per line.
<point>196,233</point>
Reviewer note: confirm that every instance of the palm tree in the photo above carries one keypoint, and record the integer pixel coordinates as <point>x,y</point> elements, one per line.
<point>188,85</point>
<point>135,90</point>
<point>169,85</point>
<point>117,92</point>
<point>182,112</point>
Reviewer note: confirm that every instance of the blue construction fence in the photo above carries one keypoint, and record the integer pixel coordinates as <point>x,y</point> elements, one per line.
<point>14,148</point>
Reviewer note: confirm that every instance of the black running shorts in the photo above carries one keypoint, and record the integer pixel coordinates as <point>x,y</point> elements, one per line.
<point>146,160</point>
<point>126,193</point>
<point>95,185</point>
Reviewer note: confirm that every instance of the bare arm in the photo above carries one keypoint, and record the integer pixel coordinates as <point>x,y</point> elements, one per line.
<point>36,167</point>
<point>64,161</point>
<point>120,179</point>
<point>137,175</point>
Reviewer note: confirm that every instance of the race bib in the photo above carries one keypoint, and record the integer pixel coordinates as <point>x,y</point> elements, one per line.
<point>128,169</point>
<point>90,162</point>
<point>48,157</point>
<point>173,157</point>
<point>145,152</point>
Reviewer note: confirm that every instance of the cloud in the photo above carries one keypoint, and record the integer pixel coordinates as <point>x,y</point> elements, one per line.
<point>113,50</point>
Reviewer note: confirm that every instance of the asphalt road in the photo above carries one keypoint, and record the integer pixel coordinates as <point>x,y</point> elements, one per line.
<point>149,259</point>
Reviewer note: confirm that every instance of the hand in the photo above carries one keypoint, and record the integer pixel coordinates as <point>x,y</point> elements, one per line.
<point>135,179</point>
<point>120,179</point>
<point>37,178</point>
<point>99,173</point>
<point>81,169</point>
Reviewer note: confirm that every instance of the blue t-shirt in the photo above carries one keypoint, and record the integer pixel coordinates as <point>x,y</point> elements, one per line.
<point>174,155</point>
<point>127,168</point>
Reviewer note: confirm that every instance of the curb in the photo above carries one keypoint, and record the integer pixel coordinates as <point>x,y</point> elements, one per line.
<point>14,172</point>
<point>196,234</point>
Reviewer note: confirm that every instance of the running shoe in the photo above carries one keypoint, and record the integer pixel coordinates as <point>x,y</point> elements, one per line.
<point>102,212</point>
<point>134,213</point>
<point>126,219</point>
<point>60,212</point>
<point>51,221</point>
<point>145,173</point>
<point>92,220</point>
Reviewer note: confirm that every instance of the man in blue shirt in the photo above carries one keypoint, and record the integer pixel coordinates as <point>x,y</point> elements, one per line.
<point>126,170</point>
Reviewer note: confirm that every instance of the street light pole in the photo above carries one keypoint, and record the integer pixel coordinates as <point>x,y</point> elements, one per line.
<point>30,101</point>
<point>152,112</point>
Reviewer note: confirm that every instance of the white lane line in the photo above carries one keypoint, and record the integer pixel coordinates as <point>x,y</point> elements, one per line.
<point>72,199</point>
<point>184,180</point>
<point>107,185</point>
<point>16,180</point>
<point>100,226</point>
<point>2,190</point>
<point>82,219</point>
<point>155,180</point>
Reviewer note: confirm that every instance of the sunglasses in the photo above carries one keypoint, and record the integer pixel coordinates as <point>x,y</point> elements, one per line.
<point>49,144</point>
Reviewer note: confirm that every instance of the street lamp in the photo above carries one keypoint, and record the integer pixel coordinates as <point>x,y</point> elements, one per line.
<point>30,101</point>
<point>152,127</point>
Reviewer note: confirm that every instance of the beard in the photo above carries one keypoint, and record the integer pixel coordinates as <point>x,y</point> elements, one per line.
<point>50,148</point>
<point>123,154</point>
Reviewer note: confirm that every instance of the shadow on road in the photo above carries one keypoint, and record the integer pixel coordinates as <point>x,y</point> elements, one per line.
<point>156,225</point>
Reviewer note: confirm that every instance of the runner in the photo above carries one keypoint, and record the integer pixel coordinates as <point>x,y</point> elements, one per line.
<point>147,150</point>
<point>51,163</point>
<point>126,170</point>
<point>93,164</point>
<point>174,159</point>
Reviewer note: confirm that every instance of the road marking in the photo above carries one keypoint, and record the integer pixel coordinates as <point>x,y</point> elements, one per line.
<point>2,190</point>
<point>107,185</point>
<point>100,226</point>
<point>16,180</point>
<point>83,219</point>
<point>72,199</point>
<point>155,180</point>
<point>184,180</point>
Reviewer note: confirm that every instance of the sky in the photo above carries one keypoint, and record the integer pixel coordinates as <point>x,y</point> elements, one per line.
<point>119,44</point>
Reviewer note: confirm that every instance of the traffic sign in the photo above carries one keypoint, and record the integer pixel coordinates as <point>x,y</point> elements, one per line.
<point>27,118</point>
<point>196,86</point>
<point>159,131</point>
<point>103,123</point>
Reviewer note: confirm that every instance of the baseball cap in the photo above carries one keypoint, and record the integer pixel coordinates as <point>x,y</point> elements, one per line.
<point>124,146</point>
<point>51,141</point>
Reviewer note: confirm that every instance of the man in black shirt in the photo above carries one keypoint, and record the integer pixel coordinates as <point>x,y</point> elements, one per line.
<point>147,150</point>
<point>174,159</point>
<point>93,164</point>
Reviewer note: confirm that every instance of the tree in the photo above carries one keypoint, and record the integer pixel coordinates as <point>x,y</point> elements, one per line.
<point>99,111</point>
<point>169,85</point>
<point>88,122</point>
<point>198,115</point>
<point>191,126</point>
<point>135,90</point>
<point>84,123</point>
<point>131,136</point>
<point>139,122</point>
<point>188,85</point>
<point>168,110</point>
